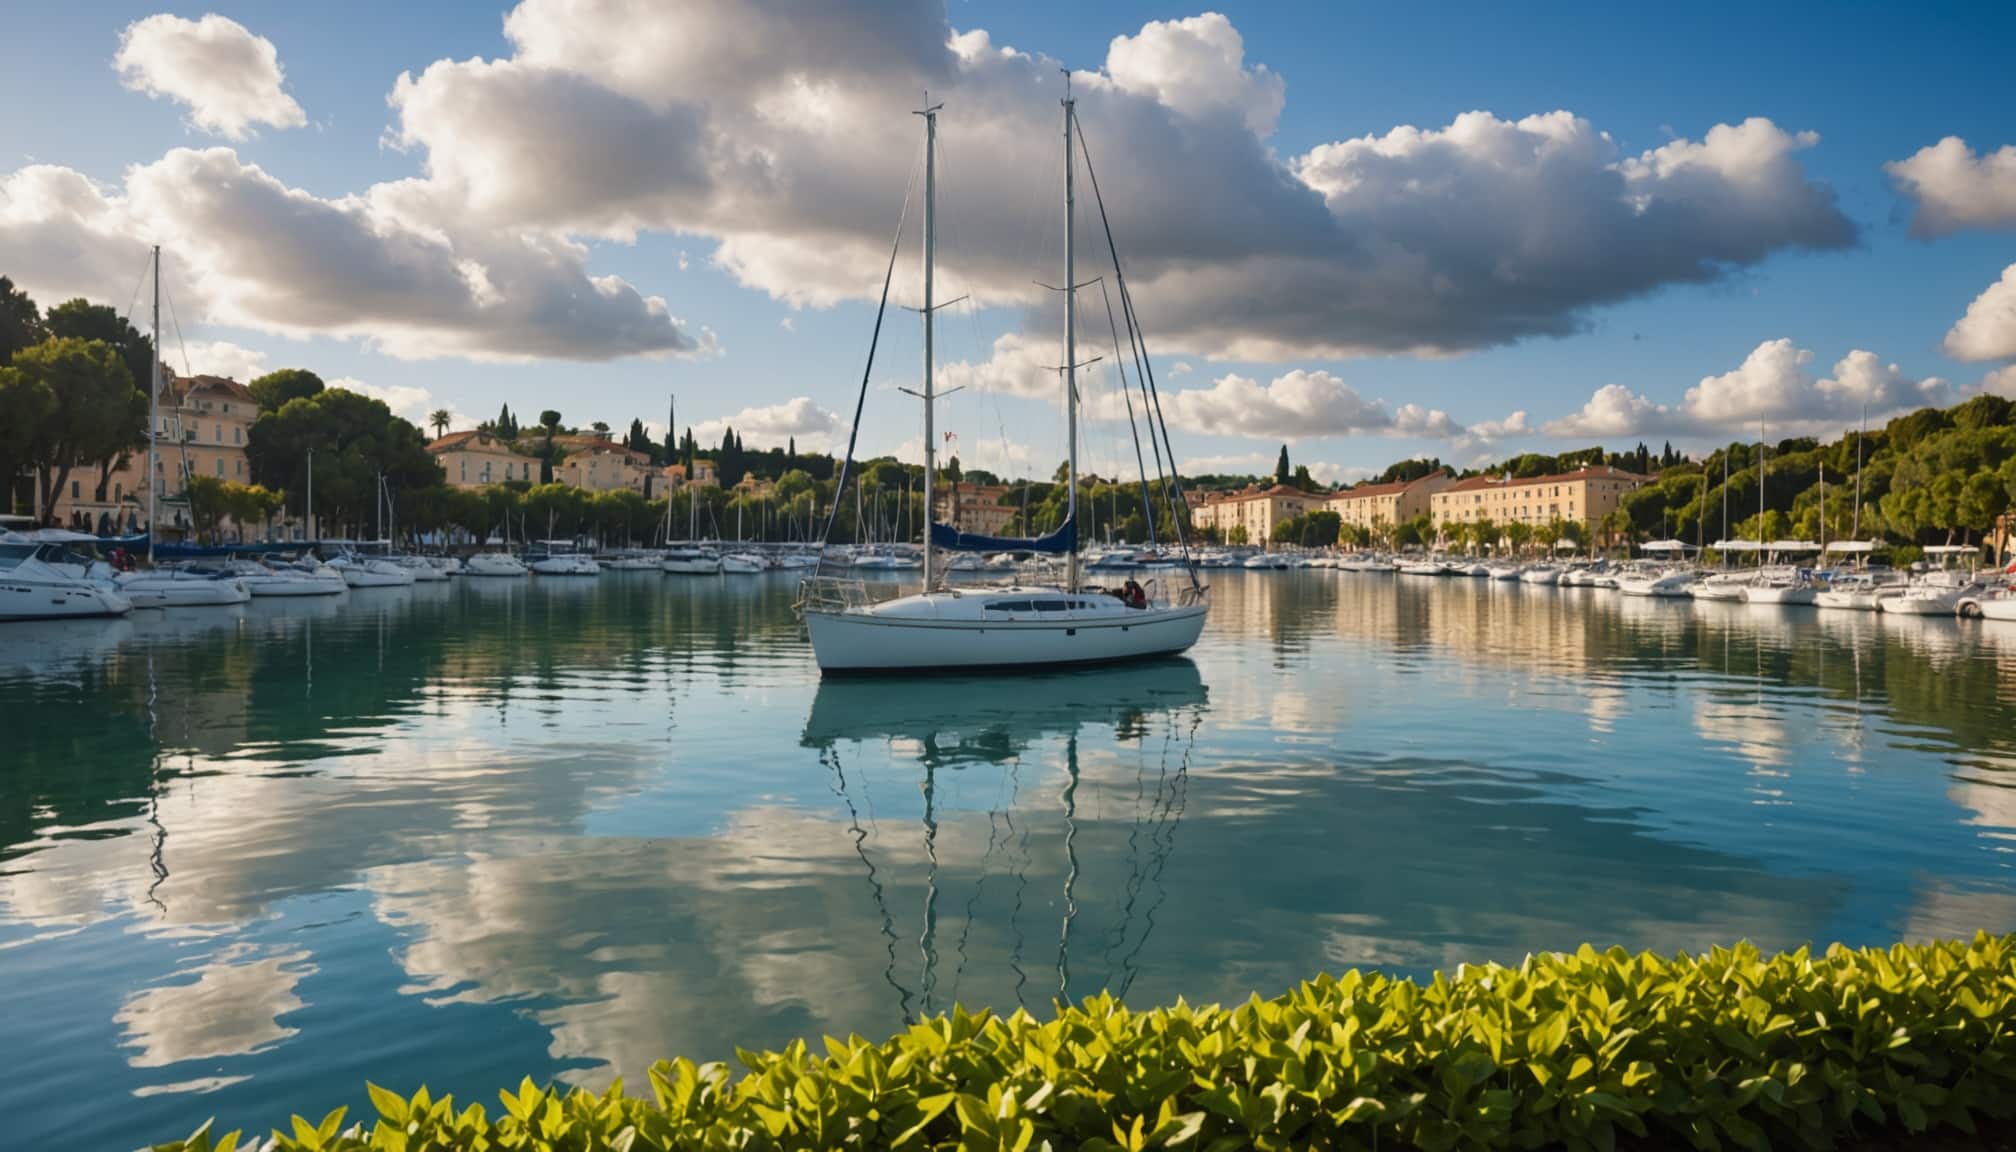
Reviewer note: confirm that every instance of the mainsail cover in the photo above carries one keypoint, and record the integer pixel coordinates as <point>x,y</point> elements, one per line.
<point>1056,543</point>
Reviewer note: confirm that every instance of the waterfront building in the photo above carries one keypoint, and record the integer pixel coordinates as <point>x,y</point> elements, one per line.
<point>978,508</point>
<point>1369,506</point>
<point>705,475</point>
<point>475,458</point>
<point>604,466</point>
<point>1584,496</point>
<point>1252,515</point>
<point>204,423</point>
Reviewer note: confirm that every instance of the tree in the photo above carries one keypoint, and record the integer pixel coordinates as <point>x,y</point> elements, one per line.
<point>93,414</point>
<point>549,420</point>
<point>440,418</point>
<point>20,322</point>
<point>1518,534</point>
<point>25,403</point>
<point>275,389</point>
<point>601,426</point>
<point>83,320</point>
<point>354,438</point>
<point>1282,473</point>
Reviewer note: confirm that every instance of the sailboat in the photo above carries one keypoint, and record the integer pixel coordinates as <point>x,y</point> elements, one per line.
<point>1017,626</point>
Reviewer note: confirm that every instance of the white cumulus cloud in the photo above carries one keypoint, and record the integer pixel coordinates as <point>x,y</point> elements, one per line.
<point>242,249</point>
<point>1951,187</point>
<point>1988,329</point>
<point>769,426</point>
<point>1775,385</point>
<point>216,358</point>
<point>228,78</point>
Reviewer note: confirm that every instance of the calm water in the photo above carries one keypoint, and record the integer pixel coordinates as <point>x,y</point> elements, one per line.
<point>466,832</point>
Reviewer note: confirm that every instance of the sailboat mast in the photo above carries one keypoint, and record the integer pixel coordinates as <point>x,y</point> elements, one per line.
<point>1856,530</point>
<point>1762,449</point>
<point>1070,344</point>
<point>153,406</point>
<point>930,115</point>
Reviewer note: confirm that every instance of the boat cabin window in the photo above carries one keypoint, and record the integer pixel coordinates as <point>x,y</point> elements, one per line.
<point>11,555</point>
<point>1052,605</point>
<point>1009,606</point>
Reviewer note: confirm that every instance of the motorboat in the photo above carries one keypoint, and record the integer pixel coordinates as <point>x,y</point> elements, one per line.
<point>304,577</point>
<point>425,570</point>
<point>630,560</point>
<point>42,581</point>
<point>1721,586</point>
<point>1780,585</point>
<point>688,560</point>
<point>797,561</point>
<point>1541,574</point>
<point>1659,582</point>
<point>1114,558</point>
<point>743,564</point>
<point>2001,608</point>
<point>1858,591</point>
<point>1935,593</point>
<point>373,572</point>
<point>1506,570</point>
<point>1426,566</point>
<point>560,558</point>
<point>887,560</point>
<point>494,564</point>
<point>182,587</point>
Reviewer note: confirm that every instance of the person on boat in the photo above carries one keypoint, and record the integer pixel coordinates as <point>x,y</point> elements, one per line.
<point>1133,595</point>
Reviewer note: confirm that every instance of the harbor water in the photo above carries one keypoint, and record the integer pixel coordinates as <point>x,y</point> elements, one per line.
<point>456,834</point>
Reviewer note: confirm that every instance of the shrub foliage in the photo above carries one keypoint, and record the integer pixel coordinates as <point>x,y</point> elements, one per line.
<point>1732,1049</point>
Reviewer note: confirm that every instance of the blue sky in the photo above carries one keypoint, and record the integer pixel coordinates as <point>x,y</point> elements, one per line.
<point>1877,83</point>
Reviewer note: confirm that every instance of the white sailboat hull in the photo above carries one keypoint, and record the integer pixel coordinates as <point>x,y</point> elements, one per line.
<point>1924,602</point>
<point>700,566</point>
<point>2003,609</point>
<point>567,566</point>
<point>1862,601</point>
<point>860,641</point>
<point>377,574</point>
<point>1775,594</point>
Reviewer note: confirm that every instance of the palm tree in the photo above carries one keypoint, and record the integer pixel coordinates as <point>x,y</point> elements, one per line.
<point>439,418</point>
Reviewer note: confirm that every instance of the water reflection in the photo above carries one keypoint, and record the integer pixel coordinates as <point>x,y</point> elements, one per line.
<point>477,830</point>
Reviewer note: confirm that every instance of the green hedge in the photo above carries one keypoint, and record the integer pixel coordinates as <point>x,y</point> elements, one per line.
<point>1730,1049</point>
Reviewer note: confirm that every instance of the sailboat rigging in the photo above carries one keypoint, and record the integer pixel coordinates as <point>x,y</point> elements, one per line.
<point>1017,625</point>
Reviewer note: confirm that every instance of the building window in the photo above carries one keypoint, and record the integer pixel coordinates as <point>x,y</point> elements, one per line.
<point>73,489</point>
<point>220,467</point>
<point>465,470</point>
<point>239,467</point>
<point>220,433</point>
<point>237,435</point>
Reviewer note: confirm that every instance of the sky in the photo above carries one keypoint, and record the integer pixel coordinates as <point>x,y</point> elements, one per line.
<point>1367,231</point>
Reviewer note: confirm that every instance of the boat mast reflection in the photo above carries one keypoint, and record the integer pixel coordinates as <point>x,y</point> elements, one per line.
<point>961,723</point>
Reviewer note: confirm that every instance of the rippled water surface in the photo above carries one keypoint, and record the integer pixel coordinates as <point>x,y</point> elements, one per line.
<point>461,833</point>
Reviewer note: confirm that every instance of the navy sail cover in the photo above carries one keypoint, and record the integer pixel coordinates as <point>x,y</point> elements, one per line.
<point>1054,544</point>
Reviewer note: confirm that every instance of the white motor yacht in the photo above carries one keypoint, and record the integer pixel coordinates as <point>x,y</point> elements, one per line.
<point>424,570</point>
<point>1507,570</point>
<point>2001,608</point>
<point>743,564</point>
<point>1659,582</point>
<point>687,560</point>
<point>1858,591</point>
<point>494,564</point>
<point>1424,566</point>
<point>560,558</point>
<point>40,581</point>
<point>305,577</point>
<point>1541,574</point>
<point>630,560</point>
<point>1780,585</point>
<point>797,561</point>
<point>1936,593</point>
<point>1721,585</point>
<point>174,587</point>
<point>374,572</point>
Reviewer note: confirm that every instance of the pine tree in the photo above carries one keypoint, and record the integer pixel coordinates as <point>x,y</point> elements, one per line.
<point>1282,472</point>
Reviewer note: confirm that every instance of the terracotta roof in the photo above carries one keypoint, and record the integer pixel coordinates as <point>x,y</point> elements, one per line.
<point>177,389</point>
<point>1491,481</point>
<point>1278,490</point>
<point>1390,488</point>
<point>461,440</point>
